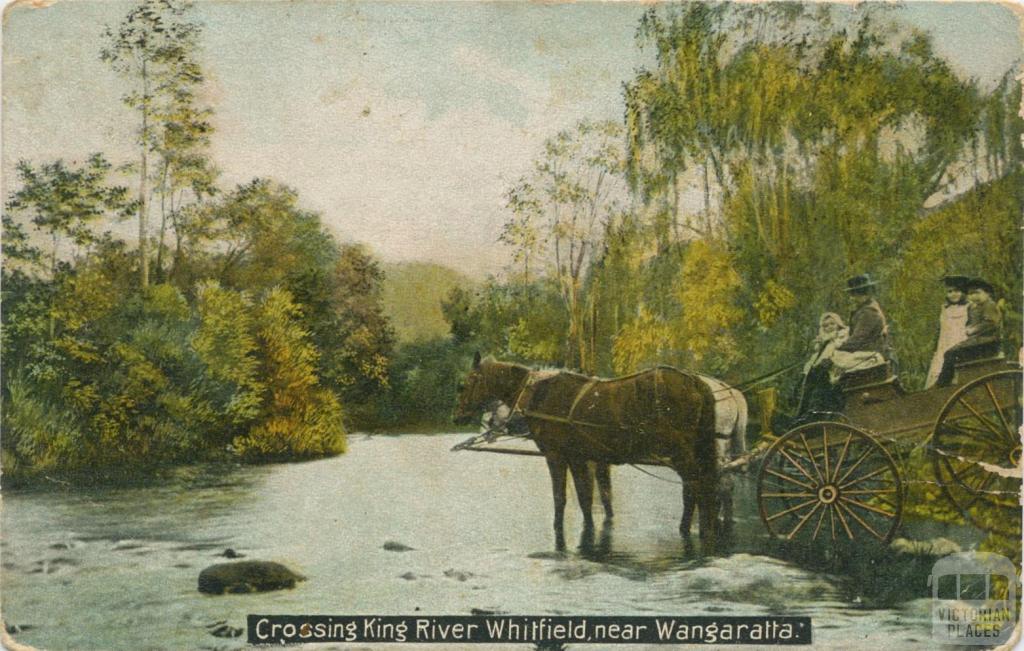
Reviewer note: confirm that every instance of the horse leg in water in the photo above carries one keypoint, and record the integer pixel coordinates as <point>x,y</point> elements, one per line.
<point>707,504</point>
<point>604,487</point>
<point>725,504</point>
<point>724,507</point>
<point>557,469</point>
<point>703,495</point>
<point>689,504</point>
<point>584,482</point>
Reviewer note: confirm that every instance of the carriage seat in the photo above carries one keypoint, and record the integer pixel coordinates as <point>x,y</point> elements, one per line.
<point>974,368</point>
<point>875,384</point>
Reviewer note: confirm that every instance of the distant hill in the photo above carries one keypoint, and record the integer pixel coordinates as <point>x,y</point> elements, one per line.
<point>412,298</point>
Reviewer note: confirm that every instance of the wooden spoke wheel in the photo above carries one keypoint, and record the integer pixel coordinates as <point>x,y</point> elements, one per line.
<point>829,481</point>
<point>976,451</point>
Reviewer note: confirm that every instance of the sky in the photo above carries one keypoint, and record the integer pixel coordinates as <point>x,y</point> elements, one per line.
<point>401,123</point>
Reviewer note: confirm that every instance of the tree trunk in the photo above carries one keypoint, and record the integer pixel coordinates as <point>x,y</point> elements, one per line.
<point>163,226</point>
<point>143,248</point>
<point>53,279</point>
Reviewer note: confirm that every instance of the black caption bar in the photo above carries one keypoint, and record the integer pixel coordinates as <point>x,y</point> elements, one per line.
<point>304,629</point>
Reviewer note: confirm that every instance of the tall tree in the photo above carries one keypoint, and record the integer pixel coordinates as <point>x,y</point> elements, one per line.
<point>153,47</point>
<point>561,211</point>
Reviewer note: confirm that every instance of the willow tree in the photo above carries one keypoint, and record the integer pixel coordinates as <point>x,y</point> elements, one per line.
<point>820,134</point>
<point>153,48</point>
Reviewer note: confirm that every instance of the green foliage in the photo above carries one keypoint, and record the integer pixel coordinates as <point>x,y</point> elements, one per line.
<point>39,434</point>
<point>527,323</point>
<point>818,156</point>
<point>258,327</point>
<point>357,340</point>
<point>424,383</point>
<point>298,418</point>
<point>62,202</point>
<point>226,345</point>
<point>256,238</point>
<point>825,141</point>
<point>558,216</point>
<point>177,373</point>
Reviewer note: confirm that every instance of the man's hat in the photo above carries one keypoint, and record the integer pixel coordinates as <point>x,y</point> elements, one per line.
<point>979,283</point>
<point>860,284</point>
<point>956,282</point>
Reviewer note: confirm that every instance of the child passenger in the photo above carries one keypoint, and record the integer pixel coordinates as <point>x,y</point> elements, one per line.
<point>952,324</point>
<point>984,325</point>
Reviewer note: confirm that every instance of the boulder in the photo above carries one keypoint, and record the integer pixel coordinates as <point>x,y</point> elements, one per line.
<point>230,553</point>
<point>247,576</point>
<point>223,629</point>
<point>393,546</point>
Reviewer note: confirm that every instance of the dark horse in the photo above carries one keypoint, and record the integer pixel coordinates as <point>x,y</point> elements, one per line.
<point>661,413</point>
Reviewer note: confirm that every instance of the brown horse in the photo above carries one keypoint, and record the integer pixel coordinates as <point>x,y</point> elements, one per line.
<point>661,413</point>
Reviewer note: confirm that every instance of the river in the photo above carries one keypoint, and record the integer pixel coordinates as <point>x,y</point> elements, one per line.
<point>116,568</point>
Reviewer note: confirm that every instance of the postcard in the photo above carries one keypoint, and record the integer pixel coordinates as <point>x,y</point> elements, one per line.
<point>513,325</point>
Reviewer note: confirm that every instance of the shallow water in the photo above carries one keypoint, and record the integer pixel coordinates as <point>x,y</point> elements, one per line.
<point>116,568</point>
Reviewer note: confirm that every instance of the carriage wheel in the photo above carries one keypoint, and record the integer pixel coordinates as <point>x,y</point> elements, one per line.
<point>831,481</point>
<point>976,437</point>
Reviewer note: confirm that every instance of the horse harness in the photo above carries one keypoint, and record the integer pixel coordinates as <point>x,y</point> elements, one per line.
<point>530,380</point>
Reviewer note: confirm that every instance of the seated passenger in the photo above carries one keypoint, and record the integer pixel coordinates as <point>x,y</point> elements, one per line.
<point>984,330</point>
<point>818,392</point>
<point>952,324</point>
<point>832,333</point>
<point>868,343</point>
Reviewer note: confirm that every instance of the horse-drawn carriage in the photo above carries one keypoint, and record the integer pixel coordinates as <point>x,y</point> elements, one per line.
<point>845,475</point>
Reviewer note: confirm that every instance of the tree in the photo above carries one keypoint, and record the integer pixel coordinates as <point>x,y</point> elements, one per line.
<point>256,236</point>
<point>184,166</point>
<point>153,48</point>
<point>561,211</point>
<point>17,245</point>
<point>301,418</point>
<point>820,135</point>
<point>62,202</point>
<point>227,347</point>
<point>256,239</point>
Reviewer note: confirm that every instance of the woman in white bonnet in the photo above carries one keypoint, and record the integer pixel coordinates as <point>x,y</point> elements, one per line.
<point>817,392</point>
<point>832,332</point>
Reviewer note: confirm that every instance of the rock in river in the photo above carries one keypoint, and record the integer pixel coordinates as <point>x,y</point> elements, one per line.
<point>247,576</point>
<point>230,553</point>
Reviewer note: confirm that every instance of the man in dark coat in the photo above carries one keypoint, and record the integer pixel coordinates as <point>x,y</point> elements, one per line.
<point>984,330</point>
<point>868,328</point>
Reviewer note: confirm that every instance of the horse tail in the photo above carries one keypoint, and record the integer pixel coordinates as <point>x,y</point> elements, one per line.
<point>739,433</point>
<point>705,447</point>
